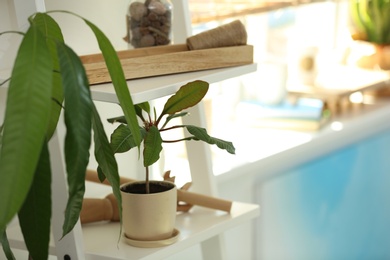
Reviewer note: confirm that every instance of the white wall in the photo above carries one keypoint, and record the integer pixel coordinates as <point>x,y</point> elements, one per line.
<point>109,16</point>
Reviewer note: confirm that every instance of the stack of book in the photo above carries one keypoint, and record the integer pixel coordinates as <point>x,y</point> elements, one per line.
<point>304,114</point>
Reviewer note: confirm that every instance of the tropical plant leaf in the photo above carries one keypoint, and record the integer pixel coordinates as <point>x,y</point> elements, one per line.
<point>119,119</point>
<point>5,245</point>
<point>25,123</point>
<point>78,117</point>
<point>117,75</point>
<point>35,214</point>
<point>187,96</point>
<point>152,146</point>
<point>142,107</point>
<point>145,106</point>
<point>122,139</point>
<point>355,15</point>
<point>385,14</point>
<point>372,17</point>
<point>170,117</point>
<point>52,33</point>
<point>138,111</point>
<point>202,135</point>
<point>105,158</point>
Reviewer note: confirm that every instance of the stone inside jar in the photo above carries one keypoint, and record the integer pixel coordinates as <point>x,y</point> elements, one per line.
<point>149,23</point>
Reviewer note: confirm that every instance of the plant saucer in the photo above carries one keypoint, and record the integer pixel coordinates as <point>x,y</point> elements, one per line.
<point>155,243</point>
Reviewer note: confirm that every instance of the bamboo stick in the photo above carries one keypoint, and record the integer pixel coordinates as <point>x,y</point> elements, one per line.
<point>106,209</point>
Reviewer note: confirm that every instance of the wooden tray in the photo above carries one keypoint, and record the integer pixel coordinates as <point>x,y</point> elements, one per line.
<point>164,60</point>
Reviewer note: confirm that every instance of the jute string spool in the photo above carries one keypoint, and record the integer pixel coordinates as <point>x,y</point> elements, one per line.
<point>231,34</point>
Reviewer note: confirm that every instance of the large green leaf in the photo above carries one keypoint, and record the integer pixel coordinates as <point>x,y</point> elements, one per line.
<point>26,119</point>
<point>105,157</point>
<point>152,146</point>
<point>187,96</point>
<point>35,214</point>
<point>52,33</point>
<point>118,80</point>
<point>117,75</point>
<point>202,135</point>
<point>78,117</point>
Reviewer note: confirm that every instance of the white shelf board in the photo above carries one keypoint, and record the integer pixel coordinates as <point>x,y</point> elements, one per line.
<point>146,89</point>
<point>155,87</point>
<point>200,224</point>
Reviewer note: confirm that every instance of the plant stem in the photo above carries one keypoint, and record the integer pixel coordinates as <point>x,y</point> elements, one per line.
<point>159,119</point>
<point>173,127</point>
<point>147,180</point>
<point>5,81</point>
<point>178,140</point>
<point>16,32</point>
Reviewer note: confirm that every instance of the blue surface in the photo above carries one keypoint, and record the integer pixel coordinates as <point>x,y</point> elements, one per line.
<point>336,207</point>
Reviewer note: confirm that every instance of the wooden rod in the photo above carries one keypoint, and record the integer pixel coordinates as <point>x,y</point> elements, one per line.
<point>183,196</point>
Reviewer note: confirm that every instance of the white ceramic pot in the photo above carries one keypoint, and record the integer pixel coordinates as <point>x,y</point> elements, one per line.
<point>149,217</point>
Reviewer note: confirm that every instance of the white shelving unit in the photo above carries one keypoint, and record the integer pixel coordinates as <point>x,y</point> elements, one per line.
<point>196,227</point>
<point>199,226</point>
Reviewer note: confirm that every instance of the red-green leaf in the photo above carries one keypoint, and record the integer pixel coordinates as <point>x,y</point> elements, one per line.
<point>187,96</point>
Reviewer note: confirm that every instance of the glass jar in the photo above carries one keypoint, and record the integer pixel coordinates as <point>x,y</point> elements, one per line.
<point>149,23</point>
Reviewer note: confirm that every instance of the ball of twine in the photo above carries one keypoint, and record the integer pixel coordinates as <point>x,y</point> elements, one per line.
<point>231,34</point>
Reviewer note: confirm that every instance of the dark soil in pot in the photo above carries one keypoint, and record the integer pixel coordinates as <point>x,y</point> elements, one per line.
<point>140,187</point>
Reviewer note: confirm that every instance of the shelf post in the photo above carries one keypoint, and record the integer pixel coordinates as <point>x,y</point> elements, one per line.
<point>182,21</point>
<point>199,154</point>
<point>203,179</point>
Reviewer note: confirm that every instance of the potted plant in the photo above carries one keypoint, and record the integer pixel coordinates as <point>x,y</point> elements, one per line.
<point>371,24</point>
<point>47,78</point>
<point>153,126</point>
